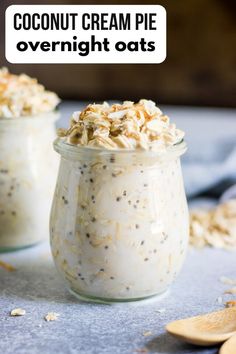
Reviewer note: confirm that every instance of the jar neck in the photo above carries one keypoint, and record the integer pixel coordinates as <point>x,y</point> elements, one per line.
<point>80,153</point>
<point>50,117</point>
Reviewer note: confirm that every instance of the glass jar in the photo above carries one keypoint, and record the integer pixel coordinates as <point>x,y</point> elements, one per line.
<point>28,168</point>
<point>119,221</point>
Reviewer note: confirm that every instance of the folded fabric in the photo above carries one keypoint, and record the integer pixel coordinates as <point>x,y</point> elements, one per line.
<point>201,176</point>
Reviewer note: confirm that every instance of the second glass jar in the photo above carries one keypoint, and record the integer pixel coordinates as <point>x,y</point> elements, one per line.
<point>28,168</point>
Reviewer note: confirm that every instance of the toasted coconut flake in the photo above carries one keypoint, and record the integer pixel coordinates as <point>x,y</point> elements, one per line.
<point>122,126</point>
<point>20,95</point>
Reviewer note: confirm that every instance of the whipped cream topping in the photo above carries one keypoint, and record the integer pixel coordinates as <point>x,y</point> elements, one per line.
<point>129,125</point>
<point>21,95</point>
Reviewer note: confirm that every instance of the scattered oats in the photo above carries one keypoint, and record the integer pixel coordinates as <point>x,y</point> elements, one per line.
<point>7,266</point>
<point>231,303</point>
<point>227,281</point>
<point>122,126</point>
<point>230,291</point>
<point>18,312</point>
<point>215,227</point>
<point>51,316</point>
<point>147,333</point>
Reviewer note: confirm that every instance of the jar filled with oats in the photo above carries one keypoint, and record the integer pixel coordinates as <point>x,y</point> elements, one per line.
<point>119,220</point>
<point>28,164</point>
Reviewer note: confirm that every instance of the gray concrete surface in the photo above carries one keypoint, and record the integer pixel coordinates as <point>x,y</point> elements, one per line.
<point>96,328</point>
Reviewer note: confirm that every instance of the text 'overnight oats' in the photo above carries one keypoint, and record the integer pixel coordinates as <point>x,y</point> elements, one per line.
<point>28,164</point>
<point>119,220</point>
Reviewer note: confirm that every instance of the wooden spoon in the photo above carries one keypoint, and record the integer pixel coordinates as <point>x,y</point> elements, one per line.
<point>208,329</point>
<point>229,347</point>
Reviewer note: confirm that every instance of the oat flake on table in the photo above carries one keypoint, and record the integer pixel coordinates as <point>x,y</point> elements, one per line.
<point>18,312</point>
<point>51,316</point>
<point>215,228</point>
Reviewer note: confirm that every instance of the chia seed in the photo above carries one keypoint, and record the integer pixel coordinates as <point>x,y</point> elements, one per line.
<point>142,243</point>
<point>91,180</point>
<point>112,159</point>
<point>64,199</point>
<point>87,235</point>
<point>118,199</point>
<point>106,247</point>
<point>137,226</point>
<point>102,270</point>
<point>145,259</point>
<point>93,219</point>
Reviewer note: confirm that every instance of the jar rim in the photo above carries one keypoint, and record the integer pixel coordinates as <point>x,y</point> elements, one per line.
<point>53,115</point>
<point>63,147</point>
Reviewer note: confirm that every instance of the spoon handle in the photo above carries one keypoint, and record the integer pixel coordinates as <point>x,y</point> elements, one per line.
<point>229,347</point>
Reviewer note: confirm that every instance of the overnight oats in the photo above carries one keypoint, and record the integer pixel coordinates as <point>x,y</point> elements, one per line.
<point>28,164</point>
<point>119,220</point>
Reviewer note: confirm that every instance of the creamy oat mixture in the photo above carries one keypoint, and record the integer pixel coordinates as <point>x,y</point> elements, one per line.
<point>129,125</point>
<point>21,95</point>
<point>119,221</point>
<point>28,164</point>
<point>28,168</point>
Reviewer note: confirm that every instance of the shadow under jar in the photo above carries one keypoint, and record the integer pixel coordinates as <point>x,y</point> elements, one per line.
<point>119,221</point>
<point>28,168</point>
